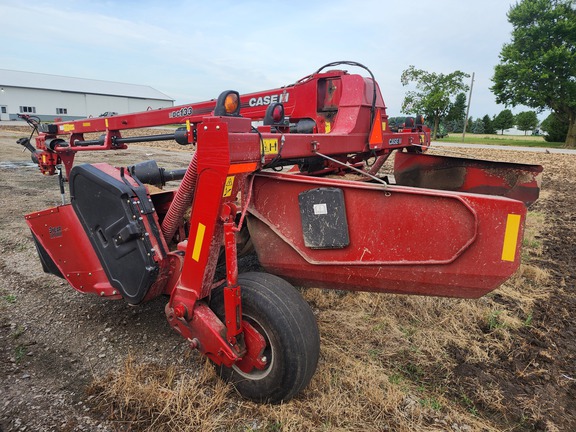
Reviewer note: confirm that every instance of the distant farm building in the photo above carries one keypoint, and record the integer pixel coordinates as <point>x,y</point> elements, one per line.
<point>53,96</point>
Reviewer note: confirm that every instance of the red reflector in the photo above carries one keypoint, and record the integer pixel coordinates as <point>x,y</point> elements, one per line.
<point>376,132</point>
<point>278,113</point>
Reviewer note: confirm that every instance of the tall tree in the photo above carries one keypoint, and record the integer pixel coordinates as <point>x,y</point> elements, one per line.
<point>488,128</point>
<point>526,120</point>
<point>457,110</point>
<point>504,120</point>
<point>456,113</point>
<point>433,92</point>
<point>537,68</point>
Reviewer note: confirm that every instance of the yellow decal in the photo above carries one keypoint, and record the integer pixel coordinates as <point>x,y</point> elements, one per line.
<point>328,127</point>
<point>511,237</point>
<point>106,122</point>
<point>68,127</point>
<point>188,126</point>
<point>270,146</point>
<point>383,126</point>
<point>87,124</point>
<point>228,186</point>
<point>198,242</point>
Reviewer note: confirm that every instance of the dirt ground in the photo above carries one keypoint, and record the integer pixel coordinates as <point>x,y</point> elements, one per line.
<point>55,342</point>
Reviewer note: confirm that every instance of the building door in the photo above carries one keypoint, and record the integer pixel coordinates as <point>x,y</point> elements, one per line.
<point>4,113</point>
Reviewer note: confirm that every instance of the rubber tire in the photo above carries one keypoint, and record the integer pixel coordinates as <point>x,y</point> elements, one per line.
<point>287,322</point>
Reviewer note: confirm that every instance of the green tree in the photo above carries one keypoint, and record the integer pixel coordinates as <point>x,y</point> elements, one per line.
<point>504,120</point>
<point>478,126</point>
<point>456,126</point>
<point>555,127</point>
<point>488,127</point>
<point>526,121</point>
<point>469,124</point>
<point>433,92</point>
<point>537,68</point>
<point>457,110</point>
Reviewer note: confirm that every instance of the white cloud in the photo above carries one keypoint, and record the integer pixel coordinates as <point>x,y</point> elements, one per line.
<point>193,50</point>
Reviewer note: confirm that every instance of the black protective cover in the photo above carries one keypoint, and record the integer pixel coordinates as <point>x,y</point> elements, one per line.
<point>48,264</point>
<point>324,223</point>
<point>105,207</point>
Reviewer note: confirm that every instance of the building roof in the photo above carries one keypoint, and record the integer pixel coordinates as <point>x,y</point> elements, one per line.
<point>11,78</point>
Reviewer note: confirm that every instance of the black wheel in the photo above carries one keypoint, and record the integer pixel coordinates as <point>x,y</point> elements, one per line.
<point>280,314</point>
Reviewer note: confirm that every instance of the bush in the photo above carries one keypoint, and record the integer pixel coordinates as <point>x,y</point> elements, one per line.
<point>556,128</point>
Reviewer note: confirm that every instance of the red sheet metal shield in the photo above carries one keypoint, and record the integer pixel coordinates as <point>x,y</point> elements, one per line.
<point>59,232</point>
<point>401,240</point>
<point>512,180</point>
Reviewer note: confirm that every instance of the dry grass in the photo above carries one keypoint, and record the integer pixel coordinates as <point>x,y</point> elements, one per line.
<point>387,363</point>
<point>528,137</point>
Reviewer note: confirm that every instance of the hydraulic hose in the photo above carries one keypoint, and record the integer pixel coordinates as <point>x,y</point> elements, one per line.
<point>182,200</point>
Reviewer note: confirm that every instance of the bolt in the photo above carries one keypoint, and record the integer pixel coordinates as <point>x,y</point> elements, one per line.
<point>263,359</point>
<point>217,127</point>
<point>180,311</point>
<point>101,293</point>
<point>205,127</point>
<point>114,292</point>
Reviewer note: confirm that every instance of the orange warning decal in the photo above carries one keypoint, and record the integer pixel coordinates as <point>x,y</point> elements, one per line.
<point>242,168</point>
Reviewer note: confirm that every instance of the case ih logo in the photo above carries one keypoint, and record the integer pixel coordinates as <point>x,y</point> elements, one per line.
<point>269,99</point>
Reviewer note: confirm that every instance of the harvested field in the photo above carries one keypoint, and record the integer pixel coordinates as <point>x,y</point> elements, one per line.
<point>507,361</point>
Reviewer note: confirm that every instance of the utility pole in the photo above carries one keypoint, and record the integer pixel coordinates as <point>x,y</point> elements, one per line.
<point>468,108</point>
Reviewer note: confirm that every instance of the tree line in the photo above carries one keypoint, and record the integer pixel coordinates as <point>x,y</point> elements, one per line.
<point>526,121</point>
<point>537,70</point>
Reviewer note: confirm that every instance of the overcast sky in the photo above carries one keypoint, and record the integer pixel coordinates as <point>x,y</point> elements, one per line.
<point>192,50</point>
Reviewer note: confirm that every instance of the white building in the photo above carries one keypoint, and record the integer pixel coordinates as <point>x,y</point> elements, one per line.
<point>52,96</point>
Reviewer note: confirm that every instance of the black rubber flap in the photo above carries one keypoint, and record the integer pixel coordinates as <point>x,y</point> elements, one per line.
<point>104,205</point>
<point>324,223</point>
<point>48,265</point>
